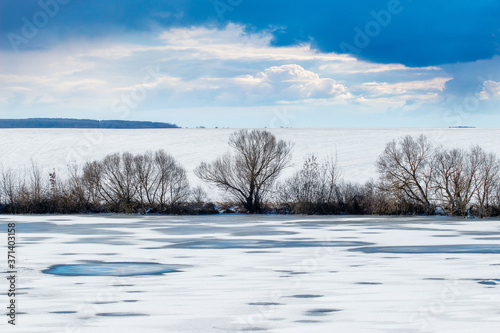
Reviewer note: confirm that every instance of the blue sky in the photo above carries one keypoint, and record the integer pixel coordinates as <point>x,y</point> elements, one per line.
<point>253,63</point>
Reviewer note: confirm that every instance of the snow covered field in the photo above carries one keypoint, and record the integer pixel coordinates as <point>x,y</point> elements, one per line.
<point>237,273</point>
<point>356,149</point>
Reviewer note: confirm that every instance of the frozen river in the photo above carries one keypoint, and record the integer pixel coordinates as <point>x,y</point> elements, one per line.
<point>238,273</point>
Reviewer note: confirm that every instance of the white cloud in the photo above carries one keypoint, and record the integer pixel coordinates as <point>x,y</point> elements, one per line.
<point>294,82</point>
<point>273,85</point>
<point>404,96</point>
<point>491,90</point>
<point>402,88</point>
<point>204,67</point>
<point>232,43</point>
<point>351,65</point>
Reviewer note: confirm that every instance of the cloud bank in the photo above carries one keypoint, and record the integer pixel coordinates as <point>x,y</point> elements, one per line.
<point>412,33</point>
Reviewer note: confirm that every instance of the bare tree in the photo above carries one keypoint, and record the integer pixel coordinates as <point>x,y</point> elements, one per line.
<point>116,181</point>
<point>199,196</point>
<point>312,188</point>
<point>406,169</point>
<point>332,174</point>
<point>485,178</point>
<point>91,183</point>
<point>9,186</point>
<point>306,185</point>
<point>172,186</point>
<point>78,193</point>
<point>146,180</point>
<point>36,187</point>
<point>454,173</point>
<point>248,174</point>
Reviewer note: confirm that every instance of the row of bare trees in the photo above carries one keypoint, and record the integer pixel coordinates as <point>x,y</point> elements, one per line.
<point>455,181</point>
<point>415,178</point>
<point>124,183</point>
<point>128,183</point>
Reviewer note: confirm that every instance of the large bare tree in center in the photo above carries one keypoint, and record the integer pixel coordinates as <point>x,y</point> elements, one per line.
<point>249,173</point>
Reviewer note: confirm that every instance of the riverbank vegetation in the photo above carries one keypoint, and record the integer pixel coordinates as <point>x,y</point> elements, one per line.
<point>414,177</point>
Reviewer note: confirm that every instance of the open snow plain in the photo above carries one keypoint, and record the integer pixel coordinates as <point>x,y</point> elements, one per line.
<point>356,149</point>
<point>239,273</point>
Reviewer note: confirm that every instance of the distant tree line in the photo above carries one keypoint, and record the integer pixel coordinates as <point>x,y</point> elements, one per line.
<point>80,123</point>
<point>415,177</point>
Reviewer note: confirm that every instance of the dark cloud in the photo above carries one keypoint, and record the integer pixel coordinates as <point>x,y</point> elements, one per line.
<point>414,33</point>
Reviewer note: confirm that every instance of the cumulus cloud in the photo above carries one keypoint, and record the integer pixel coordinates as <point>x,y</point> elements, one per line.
<point>289,83</point>
<point>491,90</point>
<point>293,81</point>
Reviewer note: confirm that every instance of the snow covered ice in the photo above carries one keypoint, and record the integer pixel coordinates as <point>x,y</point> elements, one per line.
<point>239,273</point>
